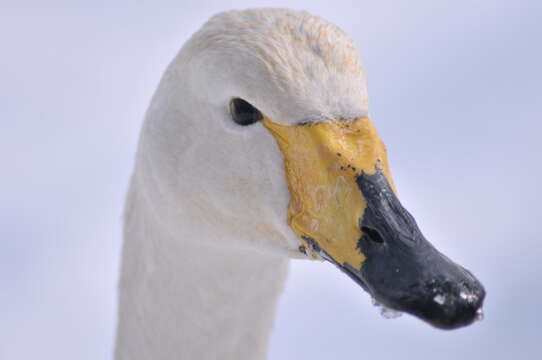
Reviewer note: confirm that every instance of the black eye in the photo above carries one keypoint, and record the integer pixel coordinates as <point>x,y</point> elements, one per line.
<point>243,113</point>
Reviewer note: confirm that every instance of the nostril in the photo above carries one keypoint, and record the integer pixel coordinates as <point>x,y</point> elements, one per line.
<point>373,234</point>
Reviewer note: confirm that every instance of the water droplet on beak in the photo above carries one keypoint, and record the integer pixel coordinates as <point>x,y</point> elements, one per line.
<point>386,312</point>
<point>479,315</point>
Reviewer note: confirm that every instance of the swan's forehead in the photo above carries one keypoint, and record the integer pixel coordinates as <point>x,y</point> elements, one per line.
<point>292,65</point>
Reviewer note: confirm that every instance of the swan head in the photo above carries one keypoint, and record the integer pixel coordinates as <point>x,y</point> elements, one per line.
<point>258,138</point>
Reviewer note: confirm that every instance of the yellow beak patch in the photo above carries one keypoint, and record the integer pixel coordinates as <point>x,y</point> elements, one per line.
<point>322,162</point>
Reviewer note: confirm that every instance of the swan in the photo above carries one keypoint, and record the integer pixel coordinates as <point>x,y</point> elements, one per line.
<point>257,148</point>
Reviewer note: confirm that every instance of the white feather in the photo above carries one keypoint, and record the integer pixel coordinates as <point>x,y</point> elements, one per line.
<point>206,238</point>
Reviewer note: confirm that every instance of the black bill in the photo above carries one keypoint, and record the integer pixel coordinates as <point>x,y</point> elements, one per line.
<point>402,270</point>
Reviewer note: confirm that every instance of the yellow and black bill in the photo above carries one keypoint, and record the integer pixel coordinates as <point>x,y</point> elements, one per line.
<point>344,207</point>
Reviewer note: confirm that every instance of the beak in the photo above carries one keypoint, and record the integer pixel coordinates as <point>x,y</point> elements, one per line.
<point>344,208</point>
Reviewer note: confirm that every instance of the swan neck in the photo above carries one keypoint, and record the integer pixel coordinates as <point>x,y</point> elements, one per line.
<point>181,300</point>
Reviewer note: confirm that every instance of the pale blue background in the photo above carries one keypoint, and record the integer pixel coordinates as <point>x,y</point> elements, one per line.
<point>455,90</point>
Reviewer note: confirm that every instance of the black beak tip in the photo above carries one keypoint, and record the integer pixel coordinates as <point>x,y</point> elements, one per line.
<point>451,311</point>
<point>402,270</point>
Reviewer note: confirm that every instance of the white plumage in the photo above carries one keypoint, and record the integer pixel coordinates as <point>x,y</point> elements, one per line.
<point>206,238</point>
